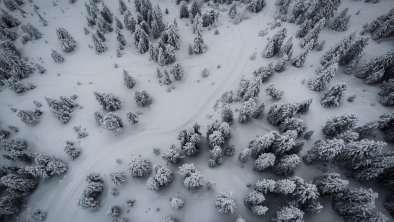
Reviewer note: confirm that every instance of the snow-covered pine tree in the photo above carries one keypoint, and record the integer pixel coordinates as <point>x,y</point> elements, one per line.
<point>61,109</point>
<point>197,23</point>
<point>289,213</point>
<point>254,200</point>
<point>184,11</point>
<point>246,110</point>
<point>128,80</point>
<point>162,177</point>
<point>72,150</point>
<point>47,166</point>
<point>107,14</point>
<point>173,155</point>
<point>227,114</point>
<point>195,8</point>
<point>122,7</point>
<point>313,34</point>
<point>57,57</point>
<point>140,168</point>
<point>232,12</point>
<point>264,161</point>
<point>112,122</point>
<point>31,117</point>
<point>143,98</point>
<point>170,36</point>
<point>215,157</point>
<point>323,77</point>
<point>386,93</point>
<point>108,101</point>
<point>198,44</point>
<point>333,96</point>
<point>339,50</point>
<point>325,150</point>
<point>129,22</point>
<point>287,48</point>
<point>281,65</point>
<point>299,60</point>
<point>330,184</point>
<point>141,40</point>
<point>16,149</point>
<point>99,45</point>
<point>351,58</point>
<point>31,31</point>
<point>287,164</point>
<point>225,203</point>
<point>340,23</point>
<point>339,124</point>
<point>304,28</point>
<point>272,91</point>
<point>67,42</point>
<point>377,69</point>
<point>292,124</point>
<point>275,43</point>
<point>263,73</point>
<point>278,113</point>
<point>193,179</point>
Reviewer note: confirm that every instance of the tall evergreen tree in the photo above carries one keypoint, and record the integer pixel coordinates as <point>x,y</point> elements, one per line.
<point>340,23</point>
<point>67,42</point>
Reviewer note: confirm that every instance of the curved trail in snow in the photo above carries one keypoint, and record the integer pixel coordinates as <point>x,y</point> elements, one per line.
<point>70,195</point>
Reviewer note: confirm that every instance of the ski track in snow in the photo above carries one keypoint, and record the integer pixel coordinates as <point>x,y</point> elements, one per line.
<point>101,160</point>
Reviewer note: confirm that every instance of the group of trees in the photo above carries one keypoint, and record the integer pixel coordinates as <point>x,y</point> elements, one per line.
<point>61,109</point>
<point>381,27</point>
<point>91,196</point>
<point>218,135</point>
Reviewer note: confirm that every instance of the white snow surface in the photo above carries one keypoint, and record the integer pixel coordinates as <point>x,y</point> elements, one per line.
<point>192,100</point>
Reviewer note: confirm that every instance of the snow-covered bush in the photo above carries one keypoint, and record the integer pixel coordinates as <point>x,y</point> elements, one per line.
<point>254,201</point>
<point>132,118</point>
<point>333,96</point>
<point>140,168</point>
<point>264,161</point>
<point>114,211</point>
<point>190,140</point>
<point>57,57</point>
<point>287,214</point>
<point>173,155</point>
<point>246,110</point>
<point>324,150</point>
<point>177,202</point>
<point>284,186</point>
<point>227,114</point>
<point>118,178</point>
<point>225,203</point>
<point>111,121</point>
<point>264,186</point>
<point>330,184</point>
<point>90,199</point>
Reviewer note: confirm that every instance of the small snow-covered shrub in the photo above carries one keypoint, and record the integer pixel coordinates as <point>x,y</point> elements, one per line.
<point>193,179</point>
<point>72,150</point>
<point>30,117</point>
<point>118,178</point>
<point>177,202</point>
<point>132,118</point>
<point>274,92</point>
<point>114,211</point>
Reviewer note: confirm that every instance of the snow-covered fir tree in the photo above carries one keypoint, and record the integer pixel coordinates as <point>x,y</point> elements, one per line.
<point>227,114</point>
<point>67,42</point>
<point>225,203</point>
<point>313,34</point>
<point>111,121</point>
<point>142,98</point>
<point>47,166</point>
<point>339,50</point>
<point>61,109</point>
<point>72,150</point>
<point>118,178</point>
<point>193,179</point>
<point>195,8</point>
<point>90,199</point>
<point>129,22</point>
<point>339,124</point>
<point>215,157</point>
<point>281,65</point>
<point>325,150</point>
<point>272,91</point>
<point>287,48</point>
<point>162,177</point>
<point>190,140</point>
<point>184,11</point>
<point>386,93</point>
<point>340,23</point>
<point>173,155</point>
<point>351,58</point>
<point>275,43</point>
<point>140,168</point>
<point>254,201</point>
<point>289,213</point>
<point>377,69</point>
<point>333,96</point>
<point>57,57</point>
<point>330,184</point>
<point>323,77</point>
<point>198,44</point>
<point>31,117</point>
<point>264,161</point>
<point>287,164</point>
<point>108,101</point>
<point>246,110</point>
<point>99,45</point>
<point>128,80</point>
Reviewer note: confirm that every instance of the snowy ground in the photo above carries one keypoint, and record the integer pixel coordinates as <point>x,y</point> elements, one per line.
<point>191,101</point>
